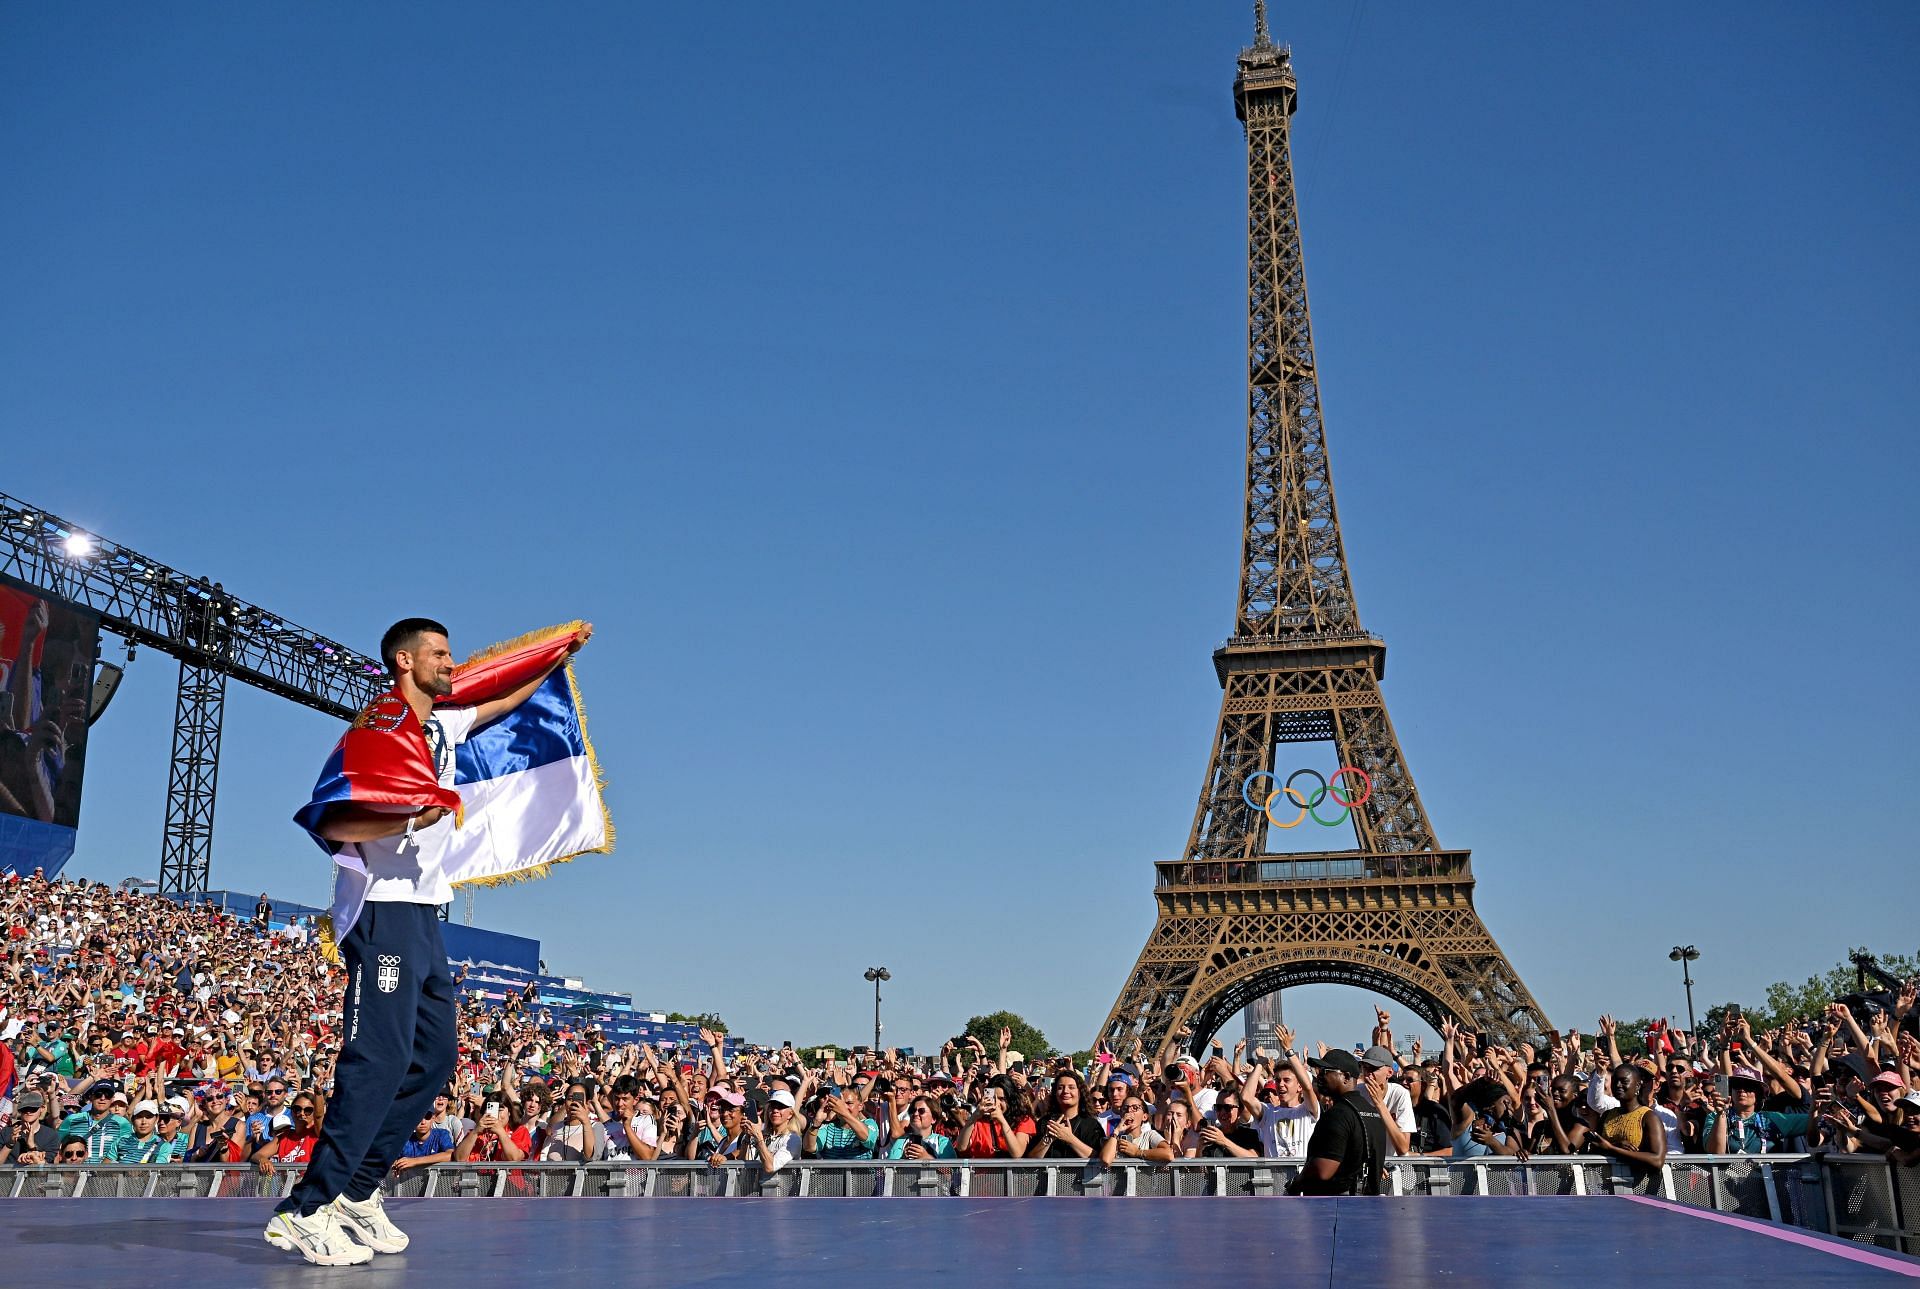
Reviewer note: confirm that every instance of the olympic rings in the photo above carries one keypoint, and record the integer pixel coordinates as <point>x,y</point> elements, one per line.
<point>1308,805</point>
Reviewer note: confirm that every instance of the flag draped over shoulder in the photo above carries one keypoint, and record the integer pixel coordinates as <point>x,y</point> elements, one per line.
<point>527,787</point>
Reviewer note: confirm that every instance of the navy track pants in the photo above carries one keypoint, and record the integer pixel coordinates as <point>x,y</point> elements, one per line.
<point>397,1050</point>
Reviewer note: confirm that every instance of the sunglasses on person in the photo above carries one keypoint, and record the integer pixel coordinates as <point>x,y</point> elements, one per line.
<point>303,1107</point>
<point>73,1155</point>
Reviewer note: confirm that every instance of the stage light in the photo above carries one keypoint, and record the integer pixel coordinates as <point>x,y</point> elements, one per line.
<point>78,546</point>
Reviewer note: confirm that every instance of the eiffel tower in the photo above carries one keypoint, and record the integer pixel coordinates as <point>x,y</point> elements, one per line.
<point>1394,916</point>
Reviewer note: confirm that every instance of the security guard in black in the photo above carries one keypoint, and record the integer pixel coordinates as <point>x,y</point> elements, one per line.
<point>1347,1153</point>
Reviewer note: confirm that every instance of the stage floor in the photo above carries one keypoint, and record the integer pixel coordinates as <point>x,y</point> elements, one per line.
<point>483,1243</point>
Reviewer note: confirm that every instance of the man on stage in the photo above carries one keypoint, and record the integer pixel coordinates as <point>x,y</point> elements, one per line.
<point>398,1040</point>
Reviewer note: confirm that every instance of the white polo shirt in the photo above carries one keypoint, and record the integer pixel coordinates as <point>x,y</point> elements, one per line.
<point>402,870</point>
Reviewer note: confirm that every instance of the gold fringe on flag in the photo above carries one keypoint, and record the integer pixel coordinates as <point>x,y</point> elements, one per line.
<point>538,871</point>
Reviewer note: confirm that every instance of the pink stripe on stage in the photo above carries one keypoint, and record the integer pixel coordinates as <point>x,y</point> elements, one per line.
<point>1825,1243</point>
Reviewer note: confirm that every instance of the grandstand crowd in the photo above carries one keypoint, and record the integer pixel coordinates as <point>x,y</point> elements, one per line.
<point>136,1030</point>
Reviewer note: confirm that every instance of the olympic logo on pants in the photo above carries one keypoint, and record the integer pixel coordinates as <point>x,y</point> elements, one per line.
<point>1307,803</point>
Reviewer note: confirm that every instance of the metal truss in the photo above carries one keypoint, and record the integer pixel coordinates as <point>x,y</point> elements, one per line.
<point>188,617</point>
<point>214,635</point>
<point>186,848</point>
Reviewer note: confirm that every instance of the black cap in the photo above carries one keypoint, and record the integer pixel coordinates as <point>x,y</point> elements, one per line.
<point>1339,1059</point>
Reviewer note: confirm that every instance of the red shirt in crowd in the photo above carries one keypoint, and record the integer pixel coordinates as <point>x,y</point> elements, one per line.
<point>987,1141</point>
<point>486,1150</point>
<point>163,1054</point>
<point>295,1149</point>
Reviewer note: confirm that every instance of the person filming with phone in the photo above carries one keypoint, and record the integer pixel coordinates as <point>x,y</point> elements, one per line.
<point>1000,1126</point>
<point>920,1141</point>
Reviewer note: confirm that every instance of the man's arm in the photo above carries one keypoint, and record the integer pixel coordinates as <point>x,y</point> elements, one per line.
<point>1250,1091</point>
<point>495,709</point>
<point>1612,1044</point>
<point>716,1045</point>
<point>1769,1063</point>
<point>1213,1135</point>
<point>1321,1170</point>
<point>1285,1037</point>
<point>861,1126</point>
<point>1399,1140</point>
<point>1857,1036</point>
<point>347,824</point>
<point>1717,1135</point>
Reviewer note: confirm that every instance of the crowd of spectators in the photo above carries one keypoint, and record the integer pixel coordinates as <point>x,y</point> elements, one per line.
<point>137,1030</point>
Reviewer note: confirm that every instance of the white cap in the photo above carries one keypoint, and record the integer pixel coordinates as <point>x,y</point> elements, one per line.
<point>282,1121</point>
<point>146,1107</point>
<point>780,1096</point>
<point>178,1105</point>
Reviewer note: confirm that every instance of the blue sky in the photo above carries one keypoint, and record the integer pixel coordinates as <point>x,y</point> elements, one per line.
<point>872,376</point>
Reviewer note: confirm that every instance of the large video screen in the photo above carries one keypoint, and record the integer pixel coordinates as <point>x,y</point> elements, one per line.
<point>47,655</point>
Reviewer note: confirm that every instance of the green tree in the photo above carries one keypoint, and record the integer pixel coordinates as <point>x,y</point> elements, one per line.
<point>1630,1036</point>
<point>1027,1040</point>
<point>1788,1002</point>
<point>705,1020</point>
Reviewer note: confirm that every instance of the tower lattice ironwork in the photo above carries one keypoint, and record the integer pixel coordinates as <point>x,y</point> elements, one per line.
<point>1395,915</point>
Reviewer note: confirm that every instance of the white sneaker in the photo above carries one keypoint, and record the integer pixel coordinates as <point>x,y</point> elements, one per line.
<point>367,1222</point>
<point>319,1239</point>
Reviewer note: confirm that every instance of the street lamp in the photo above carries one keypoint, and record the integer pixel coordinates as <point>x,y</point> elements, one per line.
<point>876,975</point>
<point>1685,955</point>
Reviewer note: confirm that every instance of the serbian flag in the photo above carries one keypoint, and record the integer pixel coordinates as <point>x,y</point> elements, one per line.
<point>527,787</point>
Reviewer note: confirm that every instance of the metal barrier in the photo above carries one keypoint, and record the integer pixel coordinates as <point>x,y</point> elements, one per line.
<point>1861,1197</point>
<point>1872,1201</point>
<point>1858,1197</point>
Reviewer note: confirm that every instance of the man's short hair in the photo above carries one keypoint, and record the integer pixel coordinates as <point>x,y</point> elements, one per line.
<point>404,635</point>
